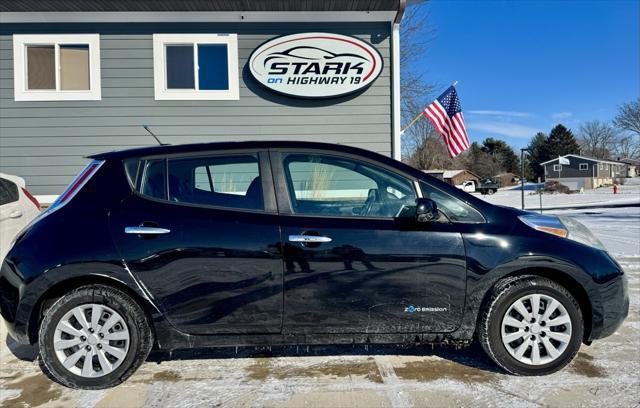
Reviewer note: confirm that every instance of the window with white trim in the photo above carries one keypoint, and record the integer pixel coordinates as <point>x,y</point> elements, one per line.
<point>557,167</point>
<point>56,67</point>
<point>584,166</point>
<point>195,66</point>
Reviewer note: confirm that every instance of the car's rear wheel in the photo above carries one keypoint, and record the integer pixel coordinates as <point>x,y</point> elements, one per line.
<point>94,337</point>
<point>531,326</point>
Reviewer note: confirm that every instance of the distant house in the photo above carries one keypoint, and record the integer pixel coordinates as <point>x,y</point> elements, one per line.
<point>454,177</point>
<point>633,166</point>
<point>584,172</point>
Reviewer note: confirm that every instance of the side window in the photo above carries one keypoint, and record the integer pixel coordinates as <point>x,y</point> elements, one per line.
<point>8,192</point>
<point>336,186</point>
<point>222,181</point>
<point>153,182</point>
<point>456,210</point>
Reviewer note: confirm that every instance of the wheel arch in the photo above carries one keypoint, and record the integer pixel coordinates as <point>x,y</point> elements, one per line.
<point>565,279</point>
<point>58,290</point>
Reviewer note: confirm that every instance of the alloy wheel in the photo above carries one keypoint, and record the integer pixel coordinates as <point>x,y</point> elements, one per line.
<point>536,329</point>
<point>91,340</point>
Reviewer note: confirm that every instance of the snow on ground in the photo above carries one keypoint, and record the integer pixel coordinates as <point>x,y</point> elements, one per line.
<point>511,196</point>
<point>605,374</point>
<point>617,228</point>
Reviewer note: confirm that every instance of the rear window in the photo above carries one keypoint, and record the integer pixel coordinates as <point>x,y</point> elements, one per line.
<point>231,181</point>
<point>8,192</point>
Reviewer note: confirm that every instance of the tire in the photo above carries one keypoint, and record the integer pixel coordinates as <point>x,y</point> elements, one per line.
<point>510,343</point>
<point>491,191</point>
<point>122,328</point>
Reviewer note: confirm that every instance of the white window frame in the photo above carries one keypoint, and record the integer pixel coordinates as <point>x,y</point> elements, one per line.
<point>557,167</point>
<point>160,41</point>
<point>21,91</point>
<point>583,166</point>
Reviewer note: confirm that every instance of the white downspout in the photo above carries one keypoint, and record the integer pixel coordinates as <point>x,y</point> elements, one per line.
<point>396,149</point>
<point>395,46</point>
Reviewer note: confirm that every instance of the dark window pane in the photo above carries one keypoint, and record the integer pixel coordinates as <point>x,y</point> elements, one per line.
<point>153,181</point>
<point>8,192</point>
<point>41,72</point>
<point>180,67</point>
<point>74,67</point>
<point>213,73</point>
<point>133,169</point>
<point>232,181</point>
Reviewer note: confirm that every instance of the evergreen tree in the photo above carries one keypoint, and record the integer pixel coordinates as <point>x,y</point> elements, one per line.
<point>509,160</point>
<point>538,153</point>
<point>561,142</point>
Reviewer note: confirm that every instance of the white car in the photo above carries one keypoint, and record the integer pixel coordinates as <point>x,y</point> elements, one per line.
<point>17,208</point>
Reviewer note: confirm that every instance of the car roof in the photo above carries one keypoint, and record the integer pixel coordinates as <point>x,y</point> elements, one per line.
<point>161,150</point>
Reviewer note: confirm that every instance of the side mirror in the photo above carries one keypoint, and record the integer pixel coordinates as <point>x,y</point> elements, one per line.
<point>426,210</point>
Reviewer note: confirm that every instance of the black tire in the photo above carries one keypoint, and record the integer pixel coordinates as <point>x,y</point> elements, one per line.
<point>491,191</point>
<point>502,296</point>
<point>141,336</point>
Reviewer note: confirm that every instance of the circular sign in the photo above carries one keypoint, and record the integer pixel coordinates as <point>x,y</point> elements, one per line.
<point>315,65</point>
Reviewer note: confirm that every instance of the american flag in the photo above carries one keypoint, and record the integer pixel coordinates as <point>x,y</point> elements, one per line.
<point>446,115</point>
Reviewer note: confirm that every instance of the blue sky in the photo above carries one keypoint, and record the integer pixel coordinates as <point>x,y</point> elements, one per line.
<point>524,66</point>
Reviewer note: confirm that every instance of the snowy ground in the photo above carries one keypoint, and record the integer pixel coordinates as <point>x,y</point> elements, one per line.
<point>604,374</point>
<point>511,196</point>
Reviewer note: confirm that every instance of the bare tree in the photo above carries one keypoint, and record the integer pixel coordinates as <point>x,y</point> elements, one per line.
<point>597,139</point>
<point>429,151</point>
<point>415,35</point>
<point>628,146</point>
<point>628,117</point>
<point>628,121</point>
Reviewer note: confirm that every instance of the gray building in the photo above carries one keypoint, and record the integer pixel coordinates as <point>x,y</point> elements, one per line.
<point>583,172</point>
<point>80,77</point>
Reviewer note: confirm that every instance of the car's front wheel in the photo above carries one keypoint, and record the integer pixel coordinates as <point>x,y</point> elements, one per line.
<point>94,337</point>
<point>531,326</point>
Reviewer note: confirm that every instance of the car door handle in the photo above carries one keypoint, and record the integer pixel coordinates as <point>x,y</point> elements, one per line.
<point>15,214</point>
<point>307,239</point>
<point>146,230</point>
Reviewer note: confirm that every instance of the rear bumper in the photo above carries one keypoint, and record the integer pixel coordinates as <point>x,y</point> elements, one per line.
<point>612,309</point>
<point>12,307</point>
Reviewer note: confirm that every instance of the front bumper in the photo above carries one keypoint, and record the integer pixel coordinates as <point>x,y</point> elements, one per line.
<point>612,307</point>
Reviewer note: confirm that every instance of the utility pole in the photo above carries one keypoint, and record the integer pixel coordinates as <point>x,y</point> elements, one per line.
<point>522,174</point>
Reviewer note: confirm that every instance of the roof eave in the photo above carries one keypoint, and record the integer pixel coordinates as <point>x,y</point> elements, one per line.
<point>195,17</point>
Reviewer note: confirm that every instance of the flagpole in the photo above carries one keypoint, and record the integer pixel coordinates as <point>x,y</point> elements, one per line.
<point>419,115</point>
<point>412,122</point>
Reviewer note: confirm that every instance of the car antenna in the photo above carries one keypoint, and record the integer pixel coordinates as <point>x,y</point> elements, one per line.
<point>154,136</point>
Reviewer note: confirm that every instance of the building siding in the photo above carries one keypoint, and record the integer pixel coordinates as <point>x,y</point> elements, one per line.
<point>45,142</point>
<point>595,169</point>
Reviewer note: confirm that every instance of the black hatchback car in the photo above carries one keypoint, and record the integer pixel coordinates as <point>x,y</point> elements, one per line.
<point>265,243</point>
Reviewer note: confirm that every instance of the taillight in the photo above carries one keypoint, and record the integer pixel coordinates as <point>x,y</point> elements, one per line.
<point>76,185</point>
<point>32,198</point>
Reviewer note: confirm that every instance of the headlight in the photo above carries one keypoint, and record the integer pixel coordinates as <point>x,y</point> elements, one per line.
<point>565,227</point>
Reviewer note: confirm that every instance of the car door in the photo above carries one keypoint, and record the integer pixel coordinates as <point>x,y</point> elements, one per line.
<point>201,234</point>
<point>355,259</point>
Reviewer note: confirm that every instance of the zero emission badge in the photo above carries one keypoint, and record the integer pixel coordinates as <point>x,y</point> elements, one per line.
<point>315,65</point>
